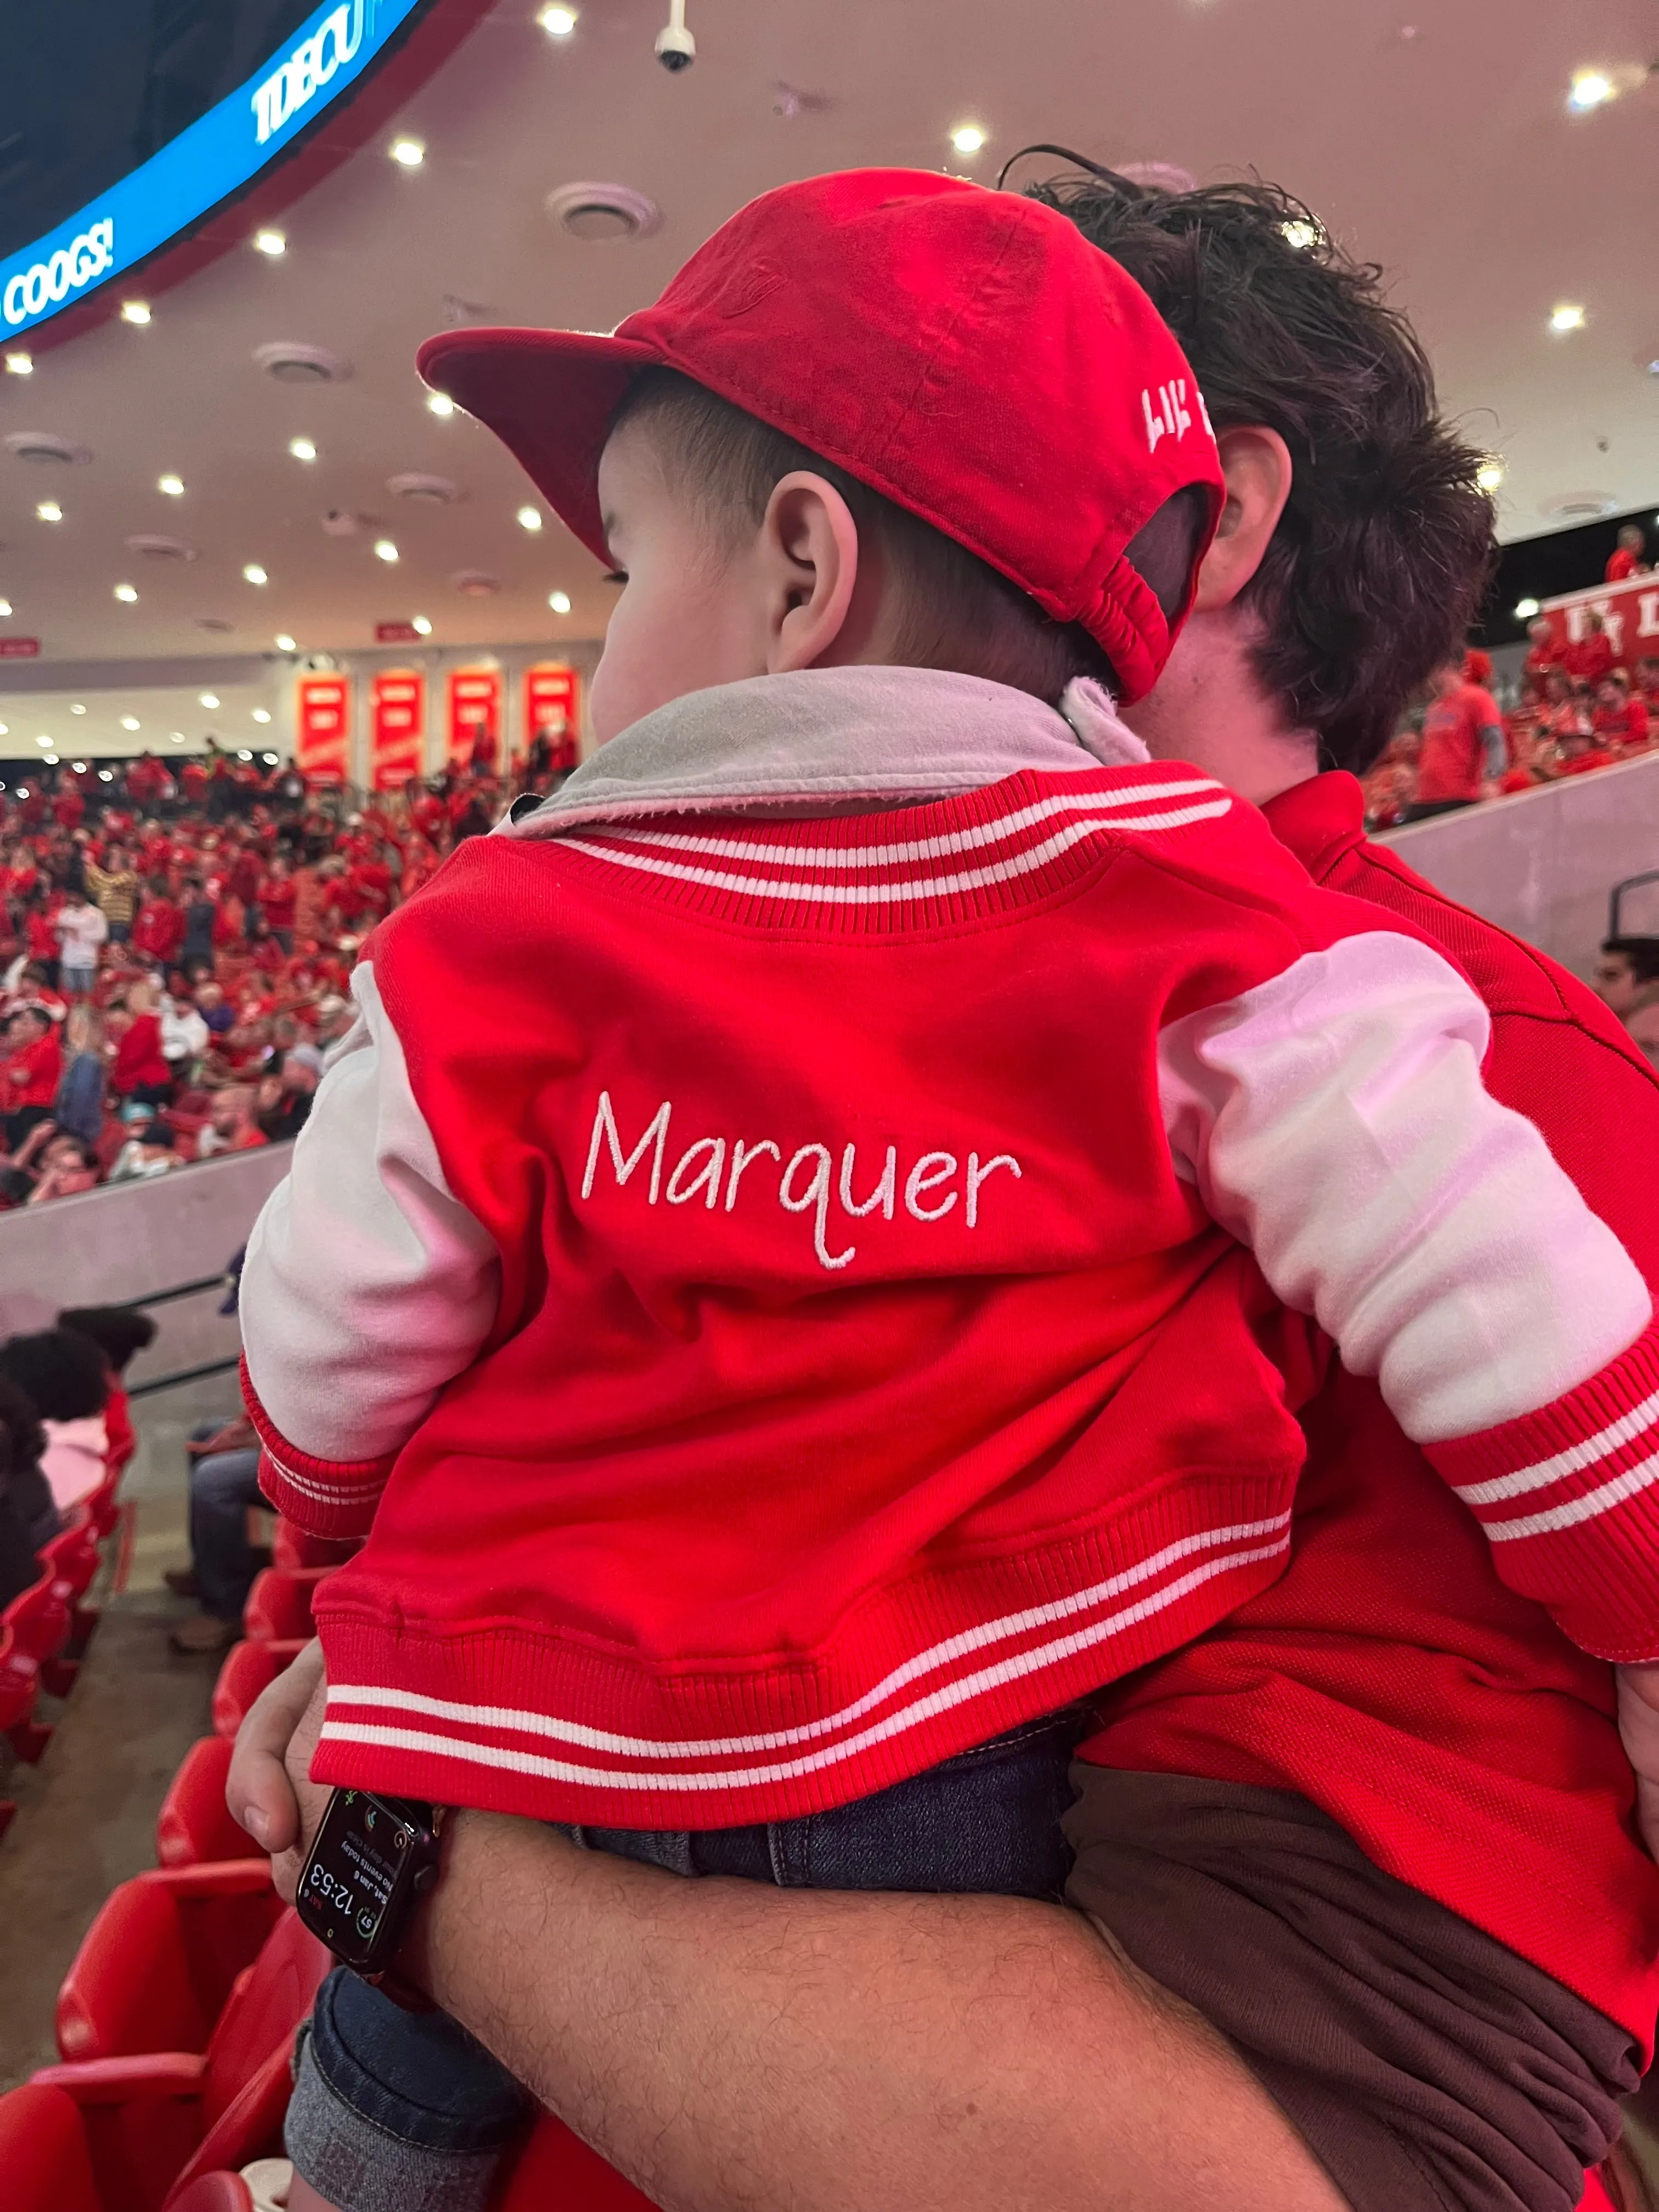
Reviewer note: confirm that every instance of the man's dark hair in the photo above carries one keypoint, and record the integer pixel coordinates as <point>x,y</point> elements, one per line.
<point>1642,953</point>
<point>62,1374</point>
<point>117,1331</point>
<point>1377,565</point>
<point>23,1439</point>
<point>956,611</point>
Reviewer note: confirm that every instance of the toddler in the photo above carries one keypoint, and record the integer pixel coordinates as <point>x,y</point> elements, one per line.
<point>807,1265</point>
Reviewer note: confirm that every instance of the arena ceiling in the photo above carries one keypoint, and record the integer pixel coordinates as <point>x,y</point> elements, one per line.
<point>1433,136</point>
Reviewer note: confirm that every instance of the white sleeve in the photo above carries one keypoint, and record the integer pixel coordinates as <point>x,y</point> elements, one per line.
<point>1334,1121</point>
<point>366,1285</point>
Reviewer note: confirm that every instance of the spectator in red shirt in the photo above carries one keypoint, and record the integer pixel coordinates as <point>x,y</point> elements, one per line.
<point>1589,661</point>
<point>278,901</point>
<point>158,930</point>
<point>29,1074</point>
<point>1647,680</point>
<point>1463,748</point>
<point>1629,559</point>
<point>1620,718</point>
<point>141,1075</point>
<point>1543,654</point>
<point>232,1126</point>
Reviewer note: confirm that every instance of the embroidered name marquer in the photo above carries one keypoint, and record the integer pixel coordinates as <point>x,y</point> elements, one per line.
<point>721,1171</point>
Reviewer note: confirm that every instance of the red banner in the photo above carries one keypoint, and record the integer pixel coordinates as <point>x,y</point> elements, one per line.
<point>1630,618</point>
<point>475,718</point>
<point>322,724</point>
<point>549,711</point>
<point>397,727</point>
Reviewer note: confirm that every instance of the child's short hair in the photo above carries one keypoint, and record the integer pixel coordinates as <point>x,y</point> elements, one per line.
<point>955,610</point>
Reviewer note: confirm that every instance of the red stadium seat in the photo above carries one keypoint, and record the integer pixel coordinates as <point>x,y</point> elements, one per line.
<point>43,2152</point>
<point>156,1968</point>
<point>249,1668</point>
<point>278,1607</point>
<point>34,1630</point>
<point>556,2168</point>
<point>20,1681</point>
<point>160,2127</point>
<point>211,2192</point>
<point>71,1559</point>
<point>291,1547</point>
<point>194,1826</point>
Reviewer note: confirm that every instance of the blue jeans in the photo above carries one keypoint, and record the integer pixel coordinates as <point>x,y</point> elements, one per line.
<point>222,1488</point>
<point>400,2111</point>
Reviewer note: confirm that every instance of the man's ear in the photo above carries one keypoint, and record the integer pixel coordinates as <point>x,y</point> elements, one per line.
<point>1257,462</point>
<point>808,556</point>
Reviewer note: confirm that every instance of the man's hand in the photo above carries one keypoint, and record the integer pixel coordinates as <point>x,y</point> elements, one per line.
<point>1638,1724</point>
<point>269,1788</point>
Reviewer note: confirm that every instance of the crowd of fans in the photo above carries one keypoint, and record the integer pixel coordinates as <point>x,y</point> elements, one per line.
<point>1573,712</point>
<point>176,949</point>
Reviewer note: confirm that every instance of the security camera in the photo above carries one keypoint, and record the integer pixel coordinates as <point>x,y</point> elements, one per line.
<point>676,47</point>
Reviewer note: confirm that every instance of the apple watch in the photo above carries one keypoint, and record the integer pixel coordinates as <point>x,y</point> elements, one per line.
<point>373,1860</point>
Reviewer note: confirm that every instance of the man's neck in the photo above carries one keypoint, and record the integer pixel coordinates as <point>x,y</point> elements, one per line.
<point>1210,708</point>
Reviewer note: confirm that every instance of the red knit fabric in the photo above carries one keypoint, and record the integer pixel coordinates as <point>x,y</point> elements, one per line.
<point>1389,1676</point>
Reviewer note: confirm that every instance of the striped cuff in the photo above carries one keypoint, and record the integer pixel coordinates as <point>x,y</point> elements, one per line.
<point>325,1497</point>
<point>1569,1498</point>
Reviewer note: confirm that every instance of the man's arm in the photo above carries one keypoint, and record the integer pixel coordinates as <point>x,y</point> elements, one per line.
<point>735,2048</point>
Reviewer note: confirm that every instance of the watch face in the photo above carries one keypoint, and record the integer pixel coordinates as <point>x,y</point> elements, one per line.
<point>361,1872</point>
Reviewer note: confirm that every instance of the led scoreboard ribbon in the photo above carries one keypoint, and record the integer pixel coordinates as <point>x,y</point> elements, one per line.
<point>217,154</point>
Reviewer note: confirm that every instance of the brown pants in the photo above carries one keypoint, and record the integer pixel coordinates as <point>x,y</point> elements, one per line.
<point>1428,2068</point>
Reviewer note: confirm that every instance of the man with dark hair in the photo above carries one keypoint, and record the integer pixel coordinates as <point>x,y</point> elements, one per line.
<point>1360,1915</point>
<point>1627,973</point>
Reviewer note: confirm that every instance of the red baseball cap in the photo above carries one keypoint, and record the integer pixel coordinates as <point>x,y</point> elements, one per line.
<point>965,352</point>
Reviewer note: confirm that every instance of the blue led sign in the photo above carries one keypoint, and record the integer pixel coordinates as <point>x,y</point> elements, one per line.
<point>219,154</point>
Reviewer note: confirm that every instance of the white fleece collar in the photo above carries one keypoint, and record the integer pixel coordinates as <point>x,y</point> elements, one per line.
<point>832,741</point>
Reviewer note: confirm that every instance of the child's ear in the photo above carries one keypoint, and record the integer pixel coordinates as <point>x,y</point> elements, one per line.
<point>808,550</point>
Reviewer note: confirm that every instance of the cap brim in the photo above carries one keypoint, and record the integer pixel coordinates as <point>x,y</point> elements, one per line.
<point>549,395</point>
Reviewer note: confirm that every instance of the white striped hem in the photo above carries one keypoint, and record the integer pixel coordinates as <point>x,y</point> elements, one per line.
<point>917,849</point>
<point>1629,1484</point>
<point>332,1493</point>
<point>923,887</point>
<point>946,1698</point>
<point>1572,1461</point>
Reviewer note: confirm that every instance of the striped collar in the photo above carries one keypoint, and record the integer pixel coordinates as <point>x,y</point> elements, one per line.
<point>829,741</point>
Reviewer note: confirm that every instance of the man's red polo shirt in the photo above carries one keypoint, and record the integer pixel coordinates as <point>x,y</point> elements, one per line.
<point>1389,1676</point>
<point>33,1072</point>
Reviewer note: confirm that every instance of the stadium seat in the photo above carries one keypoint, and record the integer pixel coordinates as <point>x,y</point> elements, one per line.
<point>291,1547</point>
<point>156,1968</point>
<point>557,2168</point>
<point>278,1607</point>
<point>43,2152</point>
<point>161,2127</point>
<point>71,1559</point>
<point>194,1826</point>
<point>34,1631</point>
<point>249,1668</point>
<point>20,1681</point>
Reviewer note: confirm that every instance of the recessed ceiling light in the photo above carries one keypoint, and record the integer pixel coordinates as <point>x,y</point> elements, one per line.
<point>1489,475</point>
<point>270,242</point>
<point>285,643</point>
<point>135,311</point>
<point>1299,235</point>
<point>557,22</point>
<point>968,137</point>
<point>20,364</point>
<point>1525,610</point>
<point>129,721</point>
<point>49,511</point>
<point>1567,317</point>
<point>529,518</point>
<point>262,713</point>
<point>408,153</point>
<point>172,486</point>
<point>51,760</point>
<point>107,776</point>
<point>126,594</point>
<point>241,755</point>
<point>439,403</point>
<point>421,626</point>
<point>385,549</point>
<point>80,767</point>
<point>209,699</point>
<point>43,741</point>
<point>560,602</point>
<point>5,729</point>
<point>1591,87</point>
<point>5,609</point>
<point>177,737</point>
<point>302,449</point>
<point>253,574</point>
<point>77,709</point>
